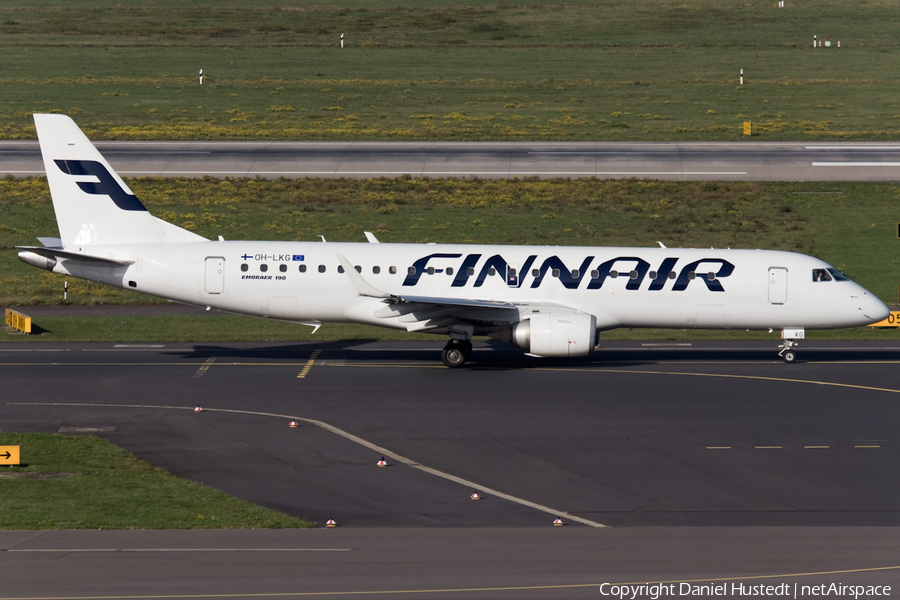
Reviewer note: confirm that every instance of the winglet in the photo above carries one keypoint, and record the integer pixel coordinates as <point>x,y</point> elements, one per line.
<point>371,237</point>
<point>361,286</point>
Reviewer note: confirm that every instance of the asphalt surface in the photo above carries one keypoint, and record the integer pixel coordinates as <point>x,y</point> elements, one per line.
<point>736,161</point>
<point>702,460</point>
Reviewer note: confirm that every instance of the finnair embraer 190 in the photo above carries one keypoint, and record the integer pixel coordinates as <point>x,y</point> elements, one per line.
<point>551,301</point>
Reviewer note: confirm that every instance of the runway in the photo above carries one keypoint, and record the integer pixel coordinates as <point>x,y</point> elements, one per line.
<point>687,161</point>
<point>666,461</point>
<point>641,438</point>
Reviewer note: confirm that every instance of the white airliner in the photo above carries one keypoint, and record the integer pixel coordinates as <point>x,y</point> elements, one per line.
<point>551,301</point>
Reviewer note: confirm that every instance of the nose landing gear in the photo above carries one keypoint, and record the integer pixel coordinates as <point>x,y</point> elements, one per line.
<point>790,337</point>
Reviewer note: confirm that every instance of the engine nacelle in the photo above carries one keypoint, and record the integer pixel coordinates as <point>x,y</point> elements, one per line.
<point>554,334</point>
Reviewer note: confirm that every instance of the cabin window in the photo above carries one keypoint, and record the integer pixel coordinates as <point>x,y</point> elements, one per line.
<point>652,275</point>
<point>613,274</point>
<point>470,271</point>
<point>449,270</point>
<point>411,270</point>
<point>575,273</point>
<point>512,273</point>
<point>555,272</point>
<point>710,276</point>
<point>492,271</point>
<point>821,275</point>
<point>321,268</point>
<point>595,274</point>
<point>633,275</point>
<point>358,269</point>
<point>282,268</point>
<point>535,272</point>
<point>376,270</point>
<point>692,275</point>
<point>245,267</point>
<point>303,268</point>
<point>263,268</point>
<point>672,275</point>
<point>431,270</point>
<point>340,269</point>
<point>393,270</point>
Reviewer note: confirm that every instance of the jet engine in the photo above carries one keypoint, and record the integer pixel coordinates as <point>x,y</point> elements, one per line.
<point>553,334</point>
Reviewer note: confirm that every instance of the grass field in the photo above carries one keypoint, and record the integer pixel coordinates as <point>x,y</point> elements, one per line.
<point>429,69</point>
<point>850,225</point>
<point>83,482</point>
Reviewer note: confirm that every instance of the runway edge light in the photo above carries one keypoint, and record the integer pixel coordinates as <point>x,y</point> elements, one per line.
<point>198,409</point>
<point>558,522</point>
<point>330,523</point>
<point>293,424</point>
<point>475,496</point>
<point>382,463</point>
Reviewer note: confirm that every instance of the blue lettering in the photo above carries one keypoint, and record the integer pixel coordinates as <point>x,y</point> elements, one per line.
<point>605,268</point>
<point>565,276</point>
<point>419,267</point>
<point>725,269</point>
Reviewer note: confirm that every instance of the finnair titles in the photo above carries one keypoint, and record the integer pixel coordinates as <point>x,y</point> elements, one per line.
<point>550,301</point>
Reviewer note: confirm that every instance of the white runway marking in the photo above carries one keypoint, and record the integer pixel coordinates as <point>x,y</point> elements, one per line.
<point>856,164</point>
<point>177,550</point>
<point>358,440</point>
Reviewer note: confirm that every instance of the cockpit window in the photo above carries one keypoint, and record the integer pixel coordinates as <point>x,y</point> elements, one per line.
<point>821,275</point>
<point>838,276</point>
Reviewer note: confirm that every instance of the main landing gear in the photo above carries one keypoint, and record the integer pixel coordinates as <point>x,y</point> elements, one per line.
<point>456,353</point>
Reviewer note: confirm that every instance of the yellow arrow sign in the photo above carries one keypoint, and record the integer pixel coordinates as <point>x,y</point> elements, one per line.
<point>9,455</point>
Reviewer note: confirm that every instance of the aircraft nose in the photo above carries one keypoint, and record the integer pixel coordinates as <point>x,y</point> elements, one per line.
<point>871,307</point>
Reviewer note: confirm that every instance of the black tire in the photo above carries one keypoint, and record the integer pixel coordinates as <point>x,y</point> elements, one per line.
<point>789,357</point>
<point>453,356</point>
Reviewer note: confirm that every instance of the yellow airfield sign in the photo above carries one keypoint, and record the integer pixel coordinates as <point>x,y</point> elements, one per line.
<point>9,455</point>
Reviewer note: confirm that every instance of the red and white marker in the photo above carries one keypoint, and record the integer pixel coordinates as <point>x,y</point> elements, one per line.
<point>293,424</point>
<point>198,409</point>
<point>475,496</point>
<point>558,522</point>
<point>382,463</point>
<point>330,523</point>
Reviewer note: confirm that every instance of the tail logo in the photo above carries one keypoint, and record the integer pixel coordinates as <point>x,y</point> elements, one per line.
<point>105,186</point>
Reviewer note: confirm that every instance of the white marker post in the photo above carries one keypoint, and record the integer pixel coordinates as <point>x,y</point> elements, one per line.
<point>814,41</point>
<point>742,77</point>
<point>342,40</point>
<point>66,290</point>
<point>201,76</point>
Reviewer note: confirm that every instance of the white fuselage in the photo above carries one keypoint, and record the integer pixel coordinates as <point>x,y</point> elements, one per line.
<point>621,287</point>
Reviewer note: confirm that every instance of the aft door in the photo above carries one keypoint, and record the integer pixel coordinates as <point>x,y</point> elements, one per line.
<point>215,275</point>
<point>778,285</point>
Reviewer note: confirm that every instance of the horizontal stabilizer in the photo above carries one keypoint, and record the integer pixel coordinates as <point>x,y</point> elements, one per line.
<point>57,253</point>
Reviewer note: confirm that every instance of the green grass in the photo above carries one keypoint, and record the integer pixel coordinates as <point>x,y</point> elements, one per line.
<point>850,225</point>
<point>83,482</point>
<point>855,230</point>
<point>626,69</point>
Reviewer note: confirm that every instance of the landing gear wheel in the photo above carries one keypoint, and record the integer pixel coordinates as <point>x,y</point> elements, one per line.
<point>455,354</point>
<point>789,356</point>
